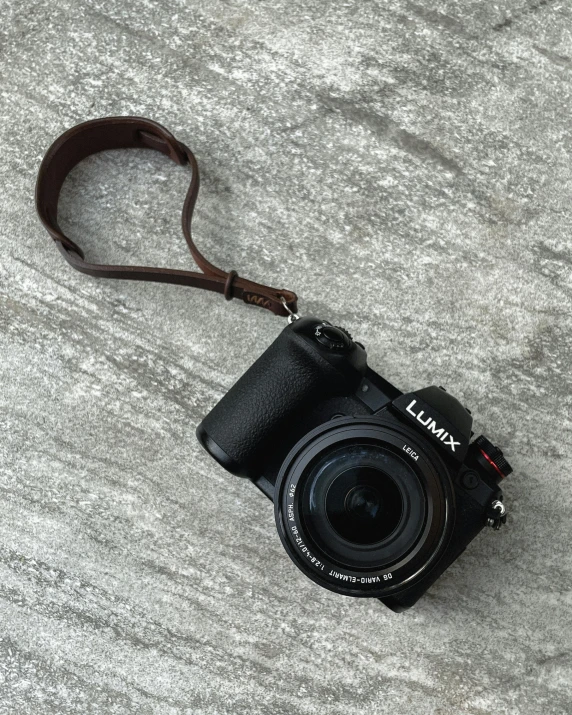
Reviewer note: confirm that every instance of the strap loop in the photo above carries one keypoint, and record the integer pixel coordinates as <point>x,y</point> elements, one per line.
<point>122,132</point>
<point>228,285</point>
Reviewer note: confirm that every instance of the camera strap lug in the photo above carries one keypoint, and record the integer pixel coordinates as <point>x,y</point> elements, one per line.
<point>496,514</point>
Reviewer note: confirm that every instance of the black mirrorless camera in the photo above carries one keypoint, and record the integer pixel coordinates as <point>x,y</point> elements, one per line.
<point>375,492</point>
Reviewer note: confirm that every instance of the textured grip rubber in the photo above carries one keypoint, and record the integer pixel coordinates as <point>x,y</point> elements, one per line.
<point>290,374</point>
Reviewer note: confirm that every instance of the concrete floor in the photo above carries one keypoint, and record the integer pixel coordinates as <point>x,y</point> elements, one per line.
<point>405,167</point>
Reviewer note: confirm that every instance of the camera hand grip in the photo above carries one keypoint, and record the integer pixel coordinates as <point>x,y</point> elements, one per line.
<point>293,372</point>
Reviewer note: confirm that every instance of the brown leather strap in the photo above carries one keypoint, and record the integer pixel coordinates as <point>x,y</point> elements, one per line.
<point>118,133</point>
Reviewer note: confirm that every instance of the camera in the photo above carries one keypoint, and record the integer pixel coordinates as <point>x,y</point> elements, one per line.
<point>375,492</point>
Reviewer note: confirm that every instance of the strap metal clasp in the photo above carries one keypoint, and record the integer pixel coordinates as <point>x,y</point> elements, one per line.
<point>291,315</point>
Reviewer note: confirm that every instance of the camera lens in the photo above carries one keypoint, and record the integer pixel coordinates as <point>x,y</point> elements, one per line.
<point>364,505</point>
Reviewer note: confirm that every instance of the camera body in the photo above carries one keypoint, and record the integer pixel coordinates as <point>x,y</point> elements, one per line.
<point>375,492</point>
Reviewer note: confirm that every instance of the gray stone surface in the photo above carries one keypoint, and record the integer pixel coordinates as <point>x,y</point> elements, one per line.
<point>405,167</point>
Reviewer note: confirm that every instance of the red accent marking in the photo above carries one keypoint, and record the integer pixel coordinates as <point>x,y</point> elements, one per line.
<point>490,461</point>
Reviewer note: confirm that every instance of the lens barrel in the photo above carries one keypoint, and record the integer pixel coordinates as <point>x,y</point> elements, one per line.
<point>363,508</point>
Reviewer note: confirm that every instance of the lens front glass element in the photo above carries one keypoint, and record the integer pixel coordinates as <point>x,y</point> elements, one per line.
<point>362,504</point>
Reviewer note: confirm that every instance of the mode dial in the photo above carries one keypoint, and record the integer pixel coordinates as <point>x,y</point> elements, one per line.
<point>494,458</point>
<point>332,337</point>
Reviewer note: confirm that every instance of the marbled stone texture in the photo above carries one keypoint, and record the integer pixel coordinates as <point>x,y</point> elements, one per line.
<point>405,167</point>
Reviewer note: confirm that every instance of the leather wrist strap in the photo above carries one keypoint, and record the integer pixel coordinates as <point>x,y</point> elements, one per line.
<point>122,132</point>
